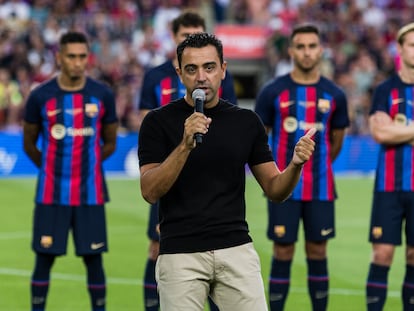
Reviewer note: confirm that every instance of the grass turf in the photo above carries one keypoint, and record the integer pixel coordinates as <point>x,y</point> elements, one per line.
<point>127,213</point>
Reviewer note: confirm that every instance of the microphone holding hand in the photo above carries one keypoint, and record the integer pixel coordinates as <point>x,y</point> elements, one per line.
<point>199,97</point>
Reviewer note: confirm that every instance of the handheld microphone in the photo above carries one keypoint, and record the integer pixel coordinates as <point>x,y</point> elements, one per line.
<point>199,97</point>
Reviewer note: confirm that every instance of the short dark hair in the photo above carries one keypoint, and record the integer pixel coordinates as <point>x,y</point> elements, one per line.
<point>304,28</point>
<point>73,37</point>
<point>187,19</point>
<point>200,40</point>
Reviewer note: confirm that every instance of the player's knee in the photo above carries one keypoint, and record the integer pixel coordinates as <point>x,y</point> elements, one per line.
<point>410,255</point>
<point>383,255</point>
<point>283,251</point>
<point>316,250</point>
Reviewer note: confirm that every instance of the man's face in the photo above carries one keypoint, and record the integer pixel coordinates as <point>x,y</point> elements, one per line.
<point>406,50</point>
<point>201,69</point>
<point>305,51</point>
<point>183,32</point>
<point>73,60</point>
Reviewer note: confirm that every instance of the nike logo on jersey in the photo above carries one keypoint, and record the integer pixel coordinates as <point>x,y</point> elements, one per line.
<point>396,101</point>
<point>52,113</point>
<point>325,232</point>
<point>95,246</point>
<point>286,104</point>
<point>168,91</point>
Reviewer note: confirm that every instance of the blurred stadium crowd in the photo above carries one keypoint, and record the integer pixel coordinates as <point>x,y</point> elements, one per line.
<point>129,36</point>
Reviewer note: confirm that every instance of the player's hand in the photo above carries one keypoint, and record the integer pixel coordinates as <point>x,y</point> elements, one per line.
<point>304,148</point>
<point>196,123</point>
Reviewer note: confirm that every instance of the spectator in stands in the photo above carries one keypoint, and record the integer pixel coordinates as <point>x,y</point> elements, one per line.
<point>11,101</point>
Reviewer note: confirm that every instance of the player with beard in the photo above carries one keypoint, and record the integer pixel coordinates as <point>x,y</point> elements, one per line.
<point>75,118</point>
<point>289,105</point>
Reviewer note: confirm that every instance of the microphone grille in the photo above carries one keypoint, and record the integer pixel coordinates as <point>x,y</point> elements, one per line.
<point>198,94</point>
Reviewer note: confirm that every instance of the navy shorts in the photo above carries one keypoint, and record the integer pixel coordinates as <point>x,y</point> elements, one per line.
<point>389,210</point>
<point>153,231</point>
<point>52,223</point>
<point>284,218</point>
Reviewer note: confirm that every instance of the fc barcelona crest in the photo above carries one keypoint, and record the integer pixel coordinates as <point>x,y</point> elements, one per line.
<point>324,105</point>
<point>91,110</point>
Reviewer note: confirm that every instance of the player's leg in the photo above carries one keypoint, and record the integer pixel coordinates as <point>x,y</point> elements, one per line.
<point>40,281</point>
<point>151,299</point>
<point>318,277</point>
<point>90,239</point>
<point>50,232</point>
<point>408,283</point>
<point>385,234</point>
<point>283,224</point>
<point>96,281</point>
<point>319,226</point>
<point>212,305</point>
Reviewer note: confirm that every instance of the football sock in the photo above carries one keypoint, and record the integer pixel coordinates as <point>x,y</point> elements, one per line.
<point>408,288</point>
<point>40,281</point>
<point>279,282</point>
<point>96,281</point>
<point>212,305</point>
<point>151,298</point>
<point>376,287</point>
<point>318,283</point>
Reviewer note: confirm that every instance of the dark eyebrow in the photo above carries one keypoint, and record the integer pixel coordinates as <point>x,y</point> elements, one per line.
<point>74,54</point>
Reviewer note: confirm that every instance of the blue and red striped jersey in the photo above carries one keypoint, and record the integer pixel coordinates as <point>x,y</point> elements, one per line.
<point>71,122</point>
<point>162,85</point>
<point>290,109</point>
<point>395,166</point>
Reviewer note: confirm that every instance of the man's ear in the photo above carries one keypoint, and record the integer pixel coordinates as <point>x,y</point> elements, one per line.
<point>178,71</point>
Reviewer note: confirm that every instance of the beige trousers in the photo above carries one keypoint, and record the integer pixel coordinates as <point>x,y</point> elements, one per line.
<point>231,276</point>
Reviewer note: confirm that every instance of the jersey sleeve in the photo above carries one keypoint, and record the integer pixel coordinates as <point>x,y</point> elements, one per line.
<point>32,108</point>
<point>110,109</point>
<point>340,118</point>
<point>148,99</point>
<point>264,107</point>
<point>228,92</point>
<point>379,99</point>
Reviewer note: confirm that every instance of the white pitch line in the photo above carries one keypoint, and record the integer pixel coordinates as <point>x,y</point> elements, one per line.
<point>69,277</point>
<point>138,282</point>
<point>14,235</point>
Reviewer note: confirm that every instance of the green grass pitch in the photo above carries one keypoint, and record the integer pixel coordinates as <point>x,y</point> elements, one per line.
<point>127,213</point>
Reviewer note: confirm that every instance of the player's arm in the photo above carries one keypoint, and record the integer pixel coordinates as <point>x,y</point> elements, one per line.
<point>337,138</point>
<point>31,133</point>
<point>278,185</point>
<point>385,131</point>
<point>108,139</point>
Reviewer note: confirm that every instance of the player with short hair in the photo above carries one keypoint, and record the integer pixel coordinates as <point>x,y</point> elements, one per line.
<point>75,118</point>
<point>391,125</point>
<point>161,85</point>
<point>289,105</point>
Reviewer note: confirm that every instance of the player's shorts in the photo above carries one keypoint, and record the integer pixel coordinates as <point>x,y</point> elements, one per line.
<point>389,209</point>
<point>284,218</point>
<point>153,232</point>
<point>52,224</point>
